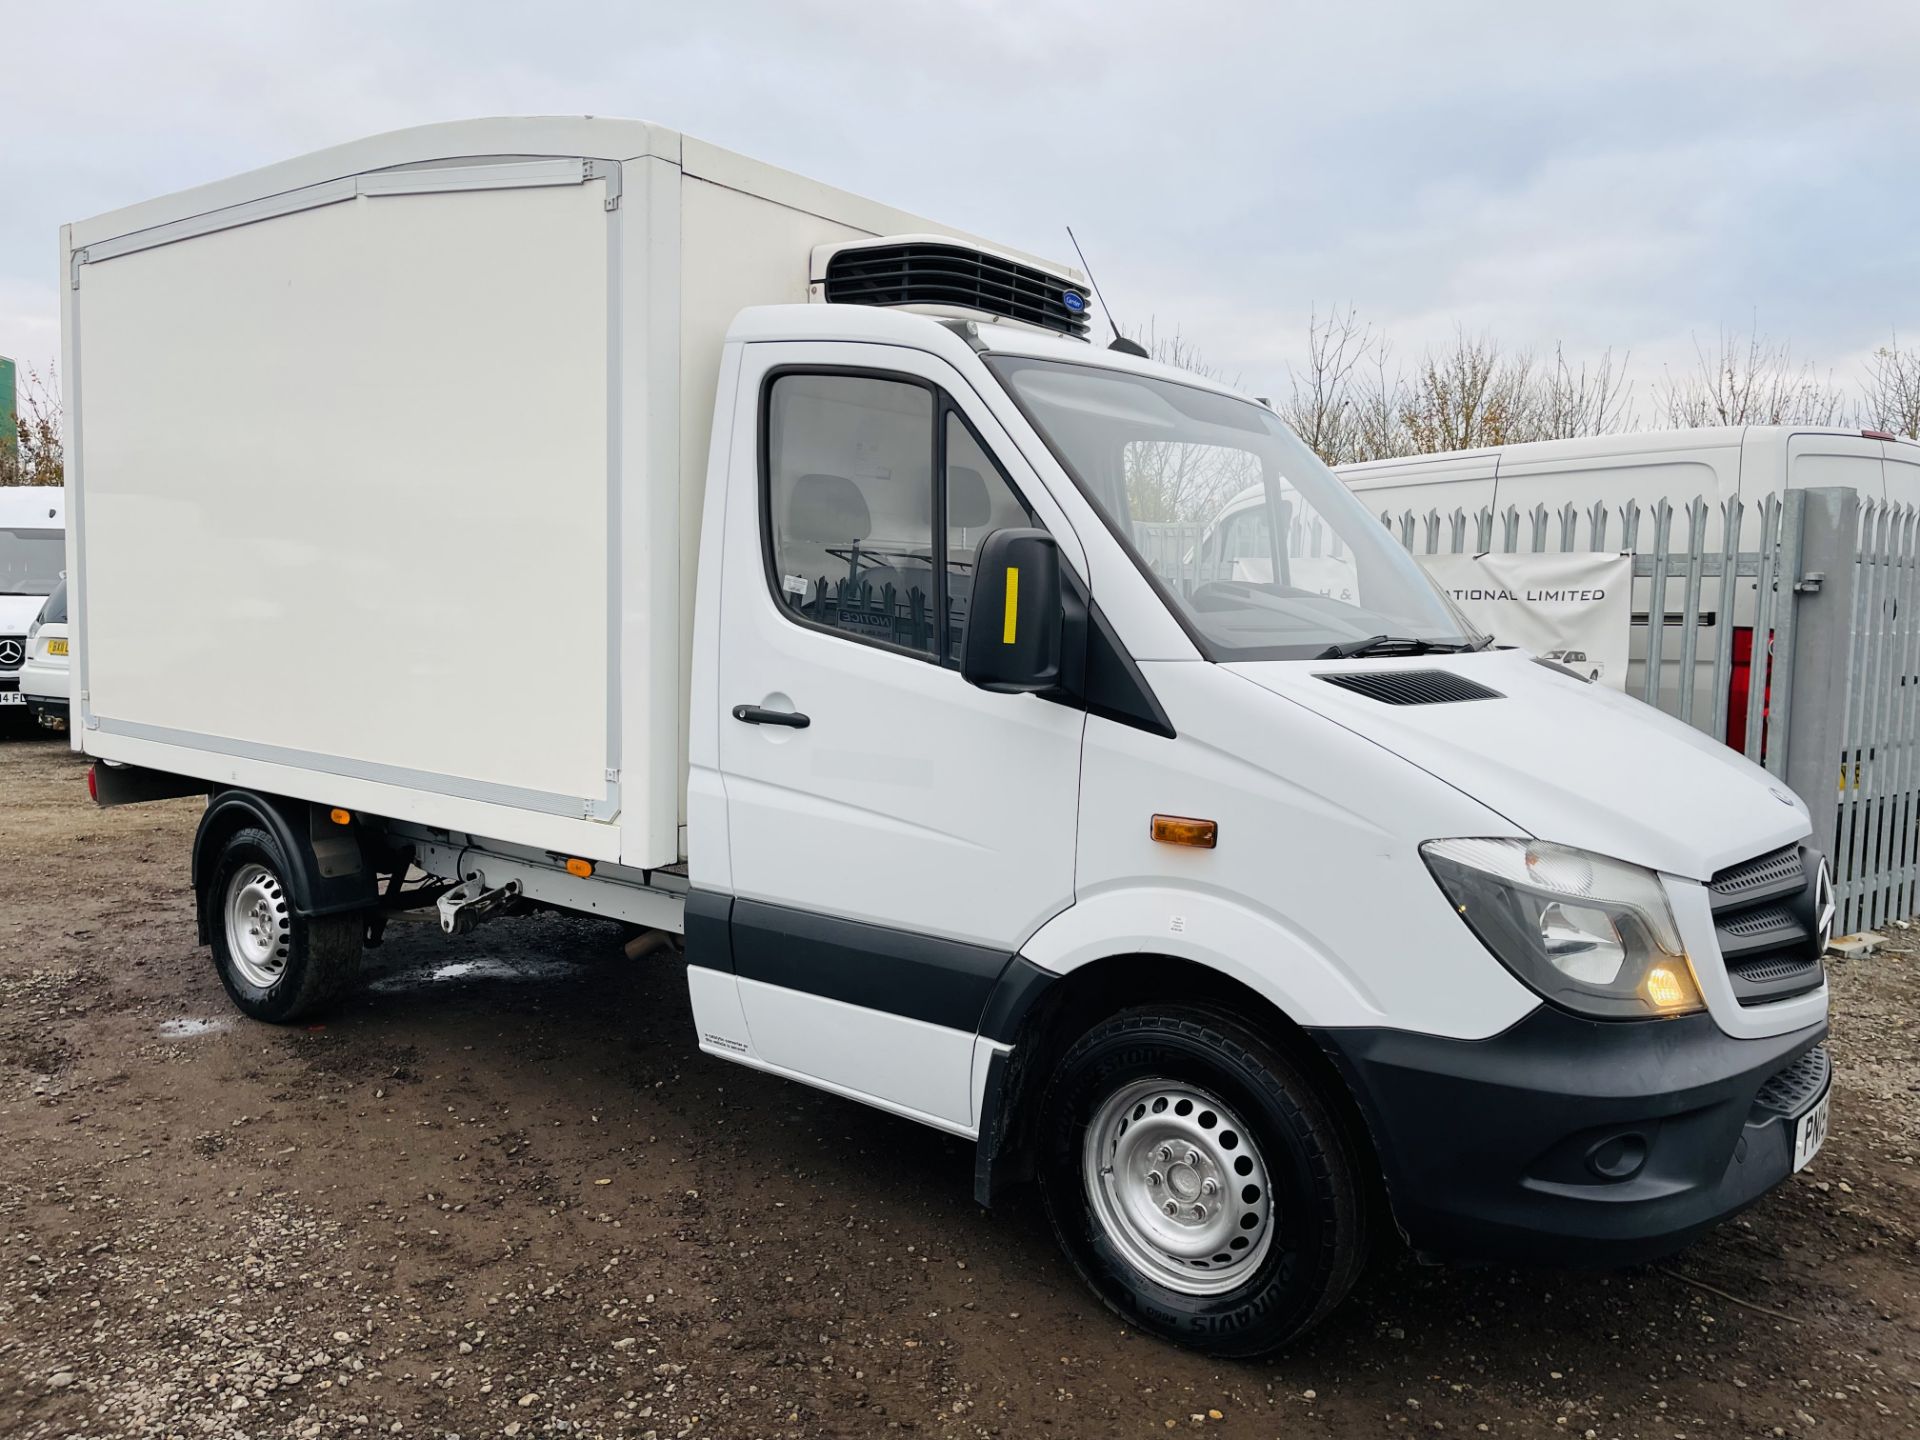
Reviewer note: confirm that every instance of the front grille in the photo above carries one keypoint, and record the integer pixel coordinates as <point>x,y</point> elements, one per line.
<point>1766,970</point>
<point>1760,921</point>
<point>1411,687</point>
<point>1776,871</point>
<point>1790,1090</point>
<point>1766,918</point>
<point>921,272</point>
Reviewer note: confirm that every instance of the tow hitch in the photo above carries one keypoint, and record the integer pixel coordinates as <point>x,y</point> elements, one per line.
<point>470,902</point>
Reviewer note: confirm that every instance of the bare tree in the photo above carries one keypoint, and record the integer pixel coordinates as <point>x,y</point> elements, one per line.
<point>1380,404</point>
<point>1890,393</point>
<point>1586,401</point>
<point>1469,396</point>
<point>1748,380</point>
<point>1323,404</point>
<point>38,457</point>
<point>1349,402</point>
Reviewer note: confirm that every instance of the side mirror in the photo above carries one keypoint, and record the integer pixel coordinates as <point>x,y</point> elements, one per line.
<point>1015,616</point>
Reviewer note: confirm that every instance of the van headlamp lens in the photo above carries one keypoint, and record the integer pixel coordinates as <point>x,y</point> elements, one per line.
<point>1589,933</point>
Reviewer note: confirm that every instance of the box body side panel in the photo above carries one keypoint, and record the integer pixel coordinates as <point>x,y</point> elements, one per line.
<point>346,492</point>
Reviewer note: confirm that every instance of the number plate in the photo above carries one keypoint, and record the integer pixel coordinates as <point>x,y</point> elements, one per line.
<point>56,647</point>
<point>12,697</point>
<point>1810,1131</point>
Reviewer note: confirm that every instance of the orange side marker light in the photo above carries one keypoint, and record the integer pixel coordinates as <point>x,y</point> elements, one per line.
<point>1181,830</point>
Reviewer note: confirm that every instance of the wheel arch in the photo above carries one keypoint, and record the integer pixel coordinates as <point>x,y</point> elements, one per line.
<point>331,873</point>
<point>1055,1011</point>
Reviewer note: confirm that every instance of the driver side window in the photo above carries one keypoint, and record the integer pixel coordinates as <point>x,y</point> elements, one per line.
<point>860,537</point>
<point>850,505</point>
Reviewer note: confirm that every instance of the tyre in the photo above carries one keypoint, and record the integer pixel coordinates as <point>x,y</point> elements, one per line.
<point>1199,1181</point>
<point>278,966</point>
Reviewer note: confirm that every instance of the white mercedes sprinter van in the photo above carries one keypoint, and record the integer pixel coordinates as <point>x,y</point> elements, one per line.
<point>33,554</point>
<point>1247,921</point>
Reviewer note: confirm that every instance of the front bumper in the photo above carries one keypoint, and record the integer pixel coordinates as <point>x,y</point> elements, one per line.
<point>48,681</point>
<point>1568,1142</point>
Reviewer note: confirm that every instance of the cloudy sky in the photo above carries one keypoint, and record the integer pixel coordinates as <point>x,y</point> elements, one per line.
<point>1615,175</point>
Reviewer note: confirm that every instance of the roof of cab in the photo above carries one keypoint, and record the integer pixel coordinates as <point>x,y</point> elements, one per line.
<point>881,324</point>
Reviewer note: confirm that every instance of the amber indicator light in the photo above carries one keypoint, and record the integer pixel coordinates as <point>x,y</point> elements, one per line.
<point>1180,830</point>
<point>582,868</point>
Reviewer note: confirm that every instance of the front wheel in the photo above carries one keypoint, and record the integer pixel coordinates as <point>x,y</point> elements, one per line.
<point>1200,1182</point>
<point>277,965</point>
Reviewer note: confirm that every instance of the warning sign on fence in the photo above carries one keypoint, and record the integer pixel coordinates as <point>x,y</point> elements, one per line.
<point>1573,608</point>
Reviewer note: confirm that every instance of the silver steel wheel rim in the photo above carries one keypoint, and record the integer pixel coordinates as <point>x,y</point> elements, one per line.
<point>1178,1186</point>
<point>258,930</point>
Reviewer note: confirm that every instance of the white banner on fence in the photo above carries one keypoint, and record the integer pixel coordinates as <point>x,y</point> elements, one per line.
<point>1576,608</point>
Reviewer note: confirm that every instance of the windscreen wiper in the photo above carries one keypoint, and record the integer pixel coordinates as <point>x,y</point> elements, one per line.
<point>1390,645</point>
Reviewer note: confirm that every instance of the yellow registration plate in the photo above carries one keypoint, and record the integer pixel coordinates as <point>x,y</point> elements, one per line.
<point>56,647</point>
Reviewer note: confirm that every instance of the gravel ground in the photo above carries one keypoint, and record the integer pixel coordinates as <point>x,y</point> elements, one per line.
<point>500,1193</point>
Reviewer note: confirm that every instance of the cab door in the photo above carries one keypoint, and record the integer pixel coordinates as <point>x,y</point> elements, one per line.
<point>895,834</point>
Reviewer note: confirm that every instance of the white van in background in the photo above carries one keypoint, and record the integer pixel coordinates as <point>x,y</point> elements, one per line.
<point>33,557</point>
<point>1751,462</point>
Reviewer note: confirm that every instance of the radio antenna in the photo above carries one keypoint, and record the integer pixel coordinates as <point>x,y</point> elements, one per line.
<point>1120,342</point>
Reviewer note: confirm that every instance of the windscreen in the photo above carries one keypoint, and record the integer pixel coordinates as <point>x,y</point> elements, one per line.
<point>54,612</point>
<point>1260,550</point>
<point>31,560</point>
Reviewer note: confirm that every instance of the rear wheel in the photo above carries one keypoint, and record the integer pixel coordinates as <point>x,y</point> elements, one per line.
<point>276,964</point>
<point>1200,1182</point>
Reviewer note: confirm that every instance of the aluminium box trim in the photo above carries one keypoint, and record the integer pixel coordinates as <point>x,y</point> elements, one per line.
<point>426,179</point>
<point>512,137</point>
<point>615,476</point>
<point>456,786</point>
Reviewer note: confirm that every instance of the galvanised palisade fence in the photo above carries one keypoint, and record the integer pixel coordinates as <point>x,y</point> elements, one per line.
<point>1706,571</point>
<point>1877,849</point>
<point>1788,627</point>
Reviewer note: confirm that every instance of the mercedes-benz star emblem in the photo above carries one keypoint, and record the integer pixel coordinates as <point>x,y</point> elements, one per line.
<point>11,654</point>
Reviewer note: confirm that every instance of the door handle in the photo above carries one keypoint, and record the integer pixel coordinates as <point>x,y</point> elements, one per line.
<point>760,715</point>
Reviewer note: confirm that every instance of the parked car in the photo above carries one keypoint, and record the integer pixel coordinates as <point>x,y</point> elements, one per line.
<point>1215,912</point>
<point>44,675</point>
<point>33,554</point>
<point>1576,660</point>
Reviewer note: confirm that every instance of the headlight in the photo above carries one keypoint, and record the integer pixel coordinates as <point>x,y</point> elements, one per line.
<point>1589,933</point>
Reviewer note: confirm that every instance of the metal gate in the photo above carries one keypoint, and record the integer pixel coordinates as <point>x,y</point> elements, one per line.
<point>1876,770</point>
